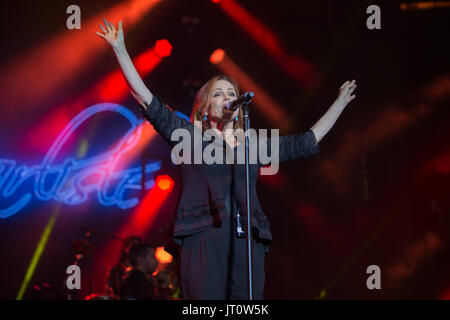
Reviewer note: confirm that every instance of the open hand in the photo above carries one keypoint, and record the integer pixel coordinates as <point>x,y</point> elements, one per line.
<point>112,36</point>
<point>346,90</point>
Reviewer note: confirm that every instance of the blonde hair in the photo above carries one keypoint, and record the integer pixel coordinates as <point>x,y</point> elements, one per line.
<point>203,100</point>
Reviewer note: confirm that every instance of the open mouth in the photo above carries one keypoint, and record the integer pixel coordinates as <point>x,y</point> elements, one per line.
<point>226,112</point>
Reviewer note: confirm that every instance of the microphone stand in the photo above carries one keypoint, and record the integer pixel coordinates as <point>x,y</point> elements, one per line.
<point>247,197</point>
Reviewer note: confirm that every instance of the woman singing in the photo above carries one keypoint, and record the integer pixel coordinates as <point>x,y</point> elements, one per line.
<point>210,225</point>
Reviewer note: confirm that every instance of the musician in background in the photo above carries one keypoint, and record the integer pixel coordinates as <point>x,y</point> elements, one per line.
<point>115,273</point>
<point>136,283</point>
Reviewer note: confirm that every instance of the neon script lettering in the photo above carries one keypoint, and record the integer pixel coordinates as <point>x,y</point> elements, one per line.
<point>73,180</point>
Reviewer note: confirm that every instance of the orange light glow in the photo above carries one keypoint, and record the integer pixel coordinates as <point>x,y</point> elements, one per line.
<point>162,256</point>
<point>138,224</point>
<point>143,216</point>
<point>424,5</point>
<point>217,56</point>
<point>165,183</point>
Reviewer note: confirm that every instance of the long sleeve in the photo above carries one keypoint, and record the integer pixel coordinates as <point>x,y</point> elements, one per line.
<point>163,119</point>
<point>299,145</point>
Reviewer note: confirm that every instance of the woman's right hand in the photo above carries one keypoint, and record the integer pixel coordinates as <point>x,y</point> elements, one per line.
<point>112,36</point>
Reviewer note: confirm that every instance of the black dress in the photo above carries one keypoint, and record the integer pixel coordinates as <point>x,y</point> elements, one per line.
<point>213,263</point>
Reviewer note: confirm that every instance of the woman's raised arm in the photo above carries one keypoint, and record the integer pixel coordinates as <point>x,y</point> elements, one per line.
<point>163,119</point>
<point>326,122</point>
<point>114,37</point>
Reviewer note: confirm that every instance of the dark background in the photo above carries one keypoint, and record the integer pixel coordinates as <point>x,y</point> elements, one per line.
<point>377,194</point>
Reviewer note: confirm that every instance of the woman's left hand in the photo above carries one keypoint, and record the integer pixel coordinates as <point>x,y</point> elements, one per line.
<point>346,90</point>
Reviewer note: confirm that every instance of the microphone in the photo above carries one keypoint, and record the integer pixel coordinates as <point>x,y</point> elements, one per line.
<point>235,104</point>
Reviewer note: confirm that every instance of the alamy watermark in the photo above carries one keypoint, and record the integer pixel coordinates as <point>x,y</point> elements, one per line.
<point>73,280</point>
<point>374,20</point>
<point>190,149</point>
<point>74,20</point>
<point>374,281</point>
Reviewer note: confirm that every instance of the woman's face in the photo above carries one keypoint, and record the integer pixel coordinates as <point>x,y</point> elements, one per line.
<point>222,92</point>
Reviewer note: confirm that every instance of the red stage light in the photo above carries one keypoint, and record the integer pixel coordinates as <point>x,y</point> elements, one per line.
<point>164,183</point>
<point>217,56</point>
<point>57,60</point>
<point>446,295</point>
<point>300,69</point>
<point>114,87</point>
<point>269,107</point>
<point>163,48</point>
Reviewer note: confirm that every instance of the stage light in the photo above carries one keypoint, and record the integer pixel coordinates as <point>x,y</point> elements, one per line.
<point>114,86</point>
<point>162,256</point>
<point>272,110</point>
<point>165,183</point>
<point>163,48</point>
<point>298,68</point>
<point>38,252</point>
<point>217,56</point>
<point>139,221</point>
<point>424,5</point>
<point>62,59</point>
<point>111,88</point>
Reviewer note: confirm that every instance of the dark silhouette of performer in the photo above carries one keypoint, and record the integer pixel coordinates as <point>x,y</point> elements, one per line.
<point>210,225</point>
<point>136,282</point>
<point>115,273</point>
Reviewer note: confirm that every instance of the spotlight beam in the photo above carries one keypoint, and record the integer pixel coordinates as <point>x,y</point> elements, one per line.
<point>61,59</point>
<point>271,109</point>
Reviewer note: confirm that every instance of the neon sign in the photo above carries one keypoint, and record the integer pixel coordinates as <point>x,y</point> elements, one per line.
<point>74,179</point>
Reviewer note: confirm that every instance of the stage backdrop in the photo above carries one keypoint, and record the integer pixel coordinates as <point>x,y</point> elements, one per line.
<point>80,169</point>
